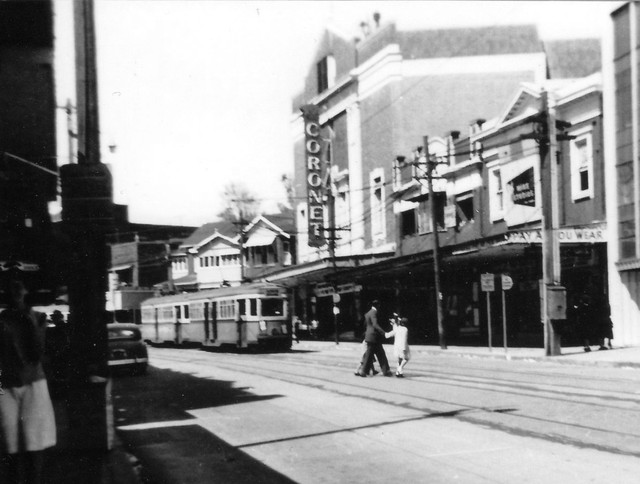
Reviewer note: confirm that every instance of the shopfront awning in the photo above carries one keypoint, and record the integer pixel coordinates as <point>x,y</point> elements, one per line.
<point>120,268</point>
<point>260,239</point>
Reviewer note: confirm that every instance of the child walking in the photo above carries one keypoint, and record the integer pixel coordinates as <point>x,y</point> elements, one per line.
<point>400,344</point>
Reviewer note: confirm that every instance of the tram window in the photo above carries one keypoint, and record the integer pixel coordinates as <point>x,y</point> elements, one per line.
<point>226,309</point>
<point>186,311</point>
<point>242,307</point>
<point>253,307</point>
<point>178,312</point>
<point>272,307</point>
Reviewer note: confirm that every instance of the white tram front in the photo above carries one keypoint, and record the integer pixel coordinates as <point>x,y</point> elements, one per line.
<point>250,315</point>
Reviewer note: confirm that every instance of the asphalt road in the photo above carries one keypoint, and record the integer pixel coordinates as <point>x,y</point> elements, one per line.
<point>304,417</point>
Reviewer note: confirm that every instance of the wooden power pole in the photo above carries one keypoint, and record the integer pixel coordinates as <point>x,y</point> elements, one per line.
<point>436,244</point>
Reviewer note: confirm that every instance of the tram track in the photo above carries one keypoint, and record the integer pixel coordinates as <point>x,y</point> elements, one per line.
<point>567,427</point>
<point>494,383</point>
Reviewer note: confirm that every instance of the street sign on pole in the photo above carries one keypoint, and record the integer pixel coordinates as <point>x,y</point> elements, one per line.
<point>487,282</point>
<point>487,285</point>
<point>507,282</point>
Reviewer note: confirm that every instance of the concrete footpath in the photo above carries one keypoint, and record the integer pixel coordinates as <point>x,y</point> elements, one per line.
<point>615,357</point>
<point>69,462</point>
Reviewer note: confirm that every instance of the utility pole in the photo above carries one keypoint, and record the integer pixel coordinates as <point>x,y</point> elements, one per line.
<point>87,215</point>
<point>241,223</point>
<point>331,216</point>
<point>436,243</point>
<point>554,295</point>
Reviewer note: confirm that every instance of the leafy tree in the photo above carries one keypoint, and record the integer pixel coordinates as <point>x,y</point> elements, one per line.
<point>240,204</point>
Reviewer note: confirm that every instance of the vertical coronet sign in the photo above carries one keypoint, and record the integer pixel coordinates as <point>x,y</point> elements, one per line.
<point>314,169</point>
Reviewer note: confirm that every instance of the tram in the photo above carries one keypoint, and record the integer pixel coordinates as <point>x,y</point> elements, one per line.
<point>252,315</point>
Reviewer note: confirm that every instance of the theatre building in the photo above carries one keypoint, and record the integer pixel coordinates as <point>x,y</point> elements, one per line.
<point>364,217</point>
<point>375,99</point>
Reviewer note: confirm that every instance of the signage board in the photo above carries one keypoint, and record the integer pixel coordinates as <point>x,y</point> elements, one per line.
<point>487,282</point>
<point>524,192</point>
<point>582,234</point>
<point>314,172</point>
<point>570,235</point>
<point>507,282</point>
<point>124,253</point>
<point>324,289</point>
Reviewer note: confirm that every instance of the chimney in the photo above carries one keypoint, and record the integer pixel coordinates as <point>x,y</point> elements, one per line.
<point>376,19</point>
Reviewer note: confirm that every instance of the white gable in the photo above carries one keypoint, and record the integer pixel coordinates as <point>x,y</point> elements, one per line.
<point>525,103</point>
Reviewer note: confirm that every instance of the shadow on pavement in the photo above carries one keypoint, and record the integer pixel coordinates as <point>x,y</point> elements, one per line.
<point>165,395</point>
<point>156,428</point>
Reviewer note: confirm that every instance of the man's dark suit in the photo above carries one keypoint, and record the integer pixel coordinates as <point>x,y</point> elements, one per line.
<point>373,337</point>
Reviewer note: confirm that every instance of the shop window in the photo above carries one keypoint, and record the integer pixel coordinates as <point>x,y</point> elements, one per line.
<point>496,195</point>
<point>424,217</point>
<point>408,223</point>
<point>424,213</point>
<point>582,167</point>
<point>326,71</point>
<point>464,209</point>
<point>440,200</point>
<point>377,199</point>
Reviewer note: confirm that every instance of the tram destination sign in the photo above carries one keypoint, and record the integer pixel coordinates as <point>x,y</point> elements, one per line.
<point>314,172</point>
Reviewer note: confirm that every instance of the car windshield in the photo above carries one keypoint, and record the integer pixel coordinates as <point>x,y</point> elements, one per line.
<point>124,333</point>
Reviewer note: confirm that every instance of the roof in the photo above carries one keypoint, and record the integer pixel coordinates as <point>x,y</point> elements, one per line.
<point>251,288</point>
<point>186,280</point>
<point>285,221</point>
<point>222,227</point>
<point>464,42</point>
<point>573,58</point>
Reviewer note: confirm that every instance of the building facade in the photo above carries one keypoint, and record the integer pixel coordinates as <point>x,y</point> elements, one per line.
<point>489,193</point>
<point>622,98</point>
<point>217,255</point>
<point>28,170</point>
<point>376,100</point>
<point>139,265</point>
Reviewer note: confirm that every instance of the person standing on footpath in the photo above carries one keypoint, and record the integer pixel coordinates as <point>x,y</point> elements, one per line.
<point>373,337</point>
<point>27,423</point>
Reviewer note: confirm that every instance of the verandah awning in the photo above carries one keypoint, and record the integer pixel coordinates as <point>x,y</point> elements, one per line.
<point>260,240</point>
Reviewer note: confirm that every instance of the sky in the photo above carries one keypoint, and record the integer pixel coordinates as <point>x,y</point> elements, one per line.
<point>196,94</point>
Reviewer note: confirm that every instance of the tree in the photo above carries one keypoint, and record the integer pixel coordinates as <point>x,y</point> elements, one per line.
<point>287,183</point>
<point>240,205</point>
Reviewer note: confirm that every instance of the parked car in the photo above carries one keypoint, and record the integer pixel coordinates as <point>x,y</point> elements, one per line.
<point>126,348</point>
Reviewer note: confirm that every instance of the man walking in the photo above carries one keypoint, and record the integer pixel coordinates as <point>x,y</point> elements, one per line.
<point>373,337</point>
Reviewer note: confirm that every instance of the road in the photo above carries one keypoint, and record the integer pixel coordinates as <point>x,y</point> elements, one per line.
<point>304,417</point>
